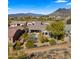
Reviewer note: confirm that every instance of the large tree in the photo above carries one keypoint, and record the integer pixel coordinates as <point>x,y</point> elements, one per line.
<point>56,28</point>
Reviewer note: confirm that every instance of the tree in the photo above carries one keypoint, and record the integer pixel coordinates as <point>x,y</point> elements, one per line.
<point>29,44</point>
<point>57,29</point>
<point>52,41</point>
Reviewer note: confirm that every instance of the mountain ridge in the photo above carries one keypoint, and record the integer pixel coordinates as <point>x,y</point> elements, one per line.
<point>63,12</point>
<point>25,14</point>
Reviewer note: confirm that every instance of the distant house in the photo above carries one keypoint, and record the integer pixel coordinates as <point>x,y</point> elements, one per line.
<point>17,23</point>
<point>32,25</point>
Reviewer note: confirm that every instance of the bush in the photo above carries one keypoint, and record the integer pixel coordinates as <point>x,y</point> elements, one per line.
<point>30,44</point>
<point>10,45</point>
<point>62,39</point>
<point>22,57</point>
<point>25,36</point>
<point>57,29</point>
<point>33,36</point>
<point>42,38</point>
<point>12,57</point>
<point>46,39</point>
<point>52,41</point>
<point>18,45</point>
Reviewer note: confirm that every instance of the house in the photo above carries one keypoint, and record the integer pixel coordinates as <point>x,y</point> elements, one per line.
<point>38,26</point>
<point>17,23</point>
<point>33,27</point>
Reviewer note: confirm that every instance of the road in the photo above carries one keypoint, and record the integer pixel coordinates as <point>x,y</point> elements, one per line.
<point>46,48</point>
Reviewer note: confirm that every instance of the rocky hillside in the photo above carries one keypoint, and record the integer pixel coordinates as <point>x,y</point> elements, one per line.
<point>62,12</point>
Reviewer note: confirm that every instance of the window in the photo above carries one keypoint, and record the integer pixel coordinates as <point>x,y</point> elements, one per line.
<point>18,24</point>
<point>46,33</point>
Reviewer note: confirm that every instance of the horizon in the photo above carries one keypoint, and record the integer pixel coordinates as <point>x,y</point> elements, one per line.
<point>37,13</point>
<point>34,6</point>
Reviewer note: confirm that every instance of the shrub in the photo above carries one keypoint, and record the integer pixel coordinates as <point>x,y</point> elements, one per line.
<point>56,28</point>
<point>46,39</point>
<point>12,57</point>
<point>10,45</point>
<point>22,57</point>
<point>42,38</point>
<point>29,44</point>
<point>62,39</point>
<point>52,41</point>
<point>25,36</point>
<point>18,45</point>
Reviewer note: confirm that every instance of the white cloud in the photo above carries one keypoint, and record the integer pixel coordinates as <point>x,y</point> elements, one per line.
<point>32,10</point>
<point>61,1</point>
<point>69,3</point>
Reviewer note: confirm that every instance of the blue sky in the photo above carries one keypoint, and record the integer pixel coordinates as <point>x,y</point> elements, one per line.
<point>36,6</point>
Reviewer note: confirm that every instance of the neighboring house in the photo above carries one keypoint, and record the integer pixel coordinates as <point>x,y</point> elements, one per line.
<point>17,23</point>
<point>36,26</point>
<point>33,26</point>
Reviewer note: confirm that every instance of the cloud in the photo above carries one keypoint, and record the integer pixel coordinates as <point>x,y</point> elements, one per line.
<point>32,11</point>
<point>60,1</point>
<point>68,3</point>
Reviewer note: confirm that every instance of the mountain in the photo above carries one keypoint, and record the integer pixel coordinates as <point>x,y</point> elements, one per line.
<point>62,12</point>
<point>25,14</point>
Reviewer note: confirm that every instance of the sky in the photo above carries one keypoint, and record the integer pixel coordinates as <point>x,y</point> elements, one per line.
<point>36,6</point>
